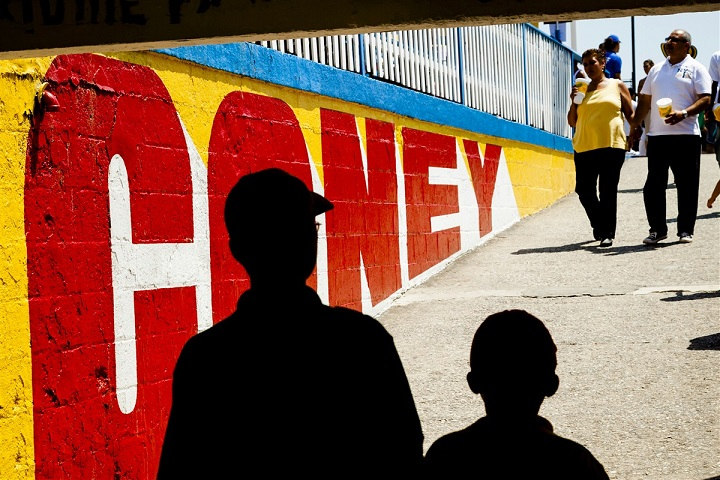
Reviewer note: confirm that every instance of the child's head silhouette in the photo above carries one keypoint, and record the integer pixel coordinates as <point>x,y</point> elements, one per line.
<point>512,364</point>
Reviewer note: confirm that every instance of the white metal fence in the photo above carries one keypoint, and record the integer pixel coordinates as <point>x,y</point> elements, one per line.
<point>424,60</point>
<point>340,51</point>
<point>494,70</point>
<point>512,71</point>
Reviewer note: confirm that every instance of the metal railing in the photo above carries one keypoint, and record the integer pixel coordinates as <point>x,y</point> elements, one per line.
<point>512,71</point>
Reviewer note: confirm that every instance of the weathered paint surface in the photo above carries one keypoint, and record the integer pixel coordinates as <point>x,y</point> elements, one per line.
<point>18,82</point>
<point>113,250</point>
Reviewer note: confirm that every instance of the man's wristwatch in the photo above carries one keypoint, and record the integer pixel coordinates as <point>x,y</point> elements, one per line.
<point>684,113</point>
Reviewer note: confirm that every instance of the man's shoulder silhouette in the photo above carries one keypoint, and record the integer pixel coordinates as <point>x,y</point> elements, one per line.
<point>291,324</point>
<point>329,377</point>
<point>293,315</point>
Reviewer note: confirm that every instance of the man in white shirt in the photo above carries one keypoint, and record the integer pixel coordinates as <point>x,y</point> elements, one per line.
<point>674,140</point>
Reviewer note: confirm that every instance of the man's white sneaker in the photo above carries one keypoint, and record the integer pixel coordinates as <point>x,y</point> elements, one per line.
<point>685,237</point>
<point>606,242</point>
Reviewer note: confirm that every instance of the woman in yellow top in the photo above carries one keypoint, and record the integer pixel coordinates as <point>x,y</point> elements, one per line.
<point>600,144</point>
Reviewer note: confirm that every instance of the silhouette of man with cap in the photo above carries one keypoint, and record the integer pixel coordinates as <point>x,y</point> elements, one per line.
<point>512,366</point>
<point>287,386</point>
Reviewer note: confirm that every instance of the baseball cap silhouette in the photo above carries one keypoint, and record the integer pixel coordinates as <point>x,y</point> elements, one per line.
<point>271,197</point>
<point>270,218</point>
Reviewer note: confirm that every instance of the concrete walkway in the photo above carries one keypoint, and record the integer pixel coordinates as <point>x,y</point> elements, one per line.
<point>637,329</point>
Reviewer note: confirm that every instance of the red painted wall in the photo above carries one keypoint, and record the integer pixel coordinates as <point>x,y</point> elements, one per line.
<point>364,221</point>
<point>109,108</point>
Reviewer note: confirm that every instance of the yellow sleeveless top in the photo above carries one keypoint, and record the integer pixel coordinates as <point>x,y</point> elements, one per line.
<point>600,120</point>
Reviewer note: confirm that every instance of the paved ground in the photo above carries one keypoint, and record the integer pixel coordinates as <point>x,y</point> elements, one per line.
<point>637,329</point>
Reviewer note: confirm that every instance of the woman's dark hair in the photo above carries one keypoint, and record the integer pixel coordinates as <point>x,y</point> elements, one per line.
<point>650,61</point>
<point>598,53</point>
<point>609,44</point>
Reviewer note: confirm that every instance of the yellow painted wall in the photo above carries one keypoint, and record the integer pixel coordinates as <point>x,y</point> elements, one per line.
<point>18,83</point>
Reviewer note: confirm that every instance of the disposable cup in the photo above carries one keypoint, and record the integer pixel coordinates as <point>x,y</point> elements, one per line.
<point>716,111</point>
<point>582,85</point>
<point>664,106</point>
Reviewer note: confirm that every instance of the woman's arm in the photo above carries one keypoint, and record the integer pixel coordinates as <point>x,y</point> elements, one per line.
<point>572,113</point>
<point>625,101</point>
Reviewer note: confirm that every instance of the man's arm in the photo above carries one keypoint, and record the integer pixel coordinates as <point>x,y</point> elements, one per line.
<point>397,432</point>
<point>700,105</point>
<point>178,458</point>
<point>713,93</point>
<point>643,107</point>
<point>709,117</point>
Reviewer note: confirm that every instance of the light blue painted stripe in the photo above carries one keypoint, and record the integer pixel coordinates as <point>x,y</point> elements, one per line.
<point>265,64</point>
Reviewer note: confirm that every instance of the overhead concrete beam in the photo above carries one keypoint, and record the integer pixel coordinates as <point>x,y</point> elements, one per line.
<point>43,27</point>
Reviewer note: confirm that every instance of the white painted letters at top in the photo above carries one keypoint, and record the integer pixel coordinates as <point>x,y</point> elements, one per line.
<point>467,216</point>
<point>137,267</point>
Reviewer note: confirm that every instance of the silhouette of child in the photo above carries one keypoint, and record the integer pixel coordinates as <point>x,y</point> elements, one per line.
<point>512,367</point>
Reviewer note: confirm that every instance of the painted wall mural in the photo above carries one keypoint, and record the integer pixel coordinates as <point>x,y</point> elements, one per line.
<point>114,250</point>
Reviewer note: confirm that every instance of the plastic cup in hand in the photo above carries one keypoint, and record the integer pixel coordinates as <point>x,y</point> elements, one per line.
<point>716,111</point>
<point>664,106</point>
<point>582,85</point>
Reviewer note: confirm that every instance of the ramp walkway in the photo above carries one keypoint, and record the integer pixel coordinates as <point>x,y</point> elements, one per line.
<point>637,330</point>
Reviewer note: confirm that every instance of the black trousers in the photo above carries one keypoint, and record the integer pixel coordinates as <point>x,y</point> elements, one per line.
<point>598,171</point>
<point>681,154</point>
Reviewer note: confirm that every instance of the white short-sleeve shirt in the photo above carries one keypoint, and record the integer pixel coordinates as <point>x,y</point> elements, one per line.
<point>683,82</point>
<point>714,69</point>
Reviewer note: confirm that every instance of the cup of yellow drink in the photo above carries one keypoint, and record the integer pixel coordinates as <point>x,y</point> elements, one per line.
<point>664,106</point>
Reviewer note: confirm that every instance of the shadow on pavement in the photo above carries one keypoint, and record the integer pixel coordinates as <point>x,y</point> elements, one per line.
<point>708,342</point>
<point>560,248</point>
<point>591,246</point>
<point>693,296</point>
<point>705,217</point>
<point>714,478</point>
<point>639,247</point>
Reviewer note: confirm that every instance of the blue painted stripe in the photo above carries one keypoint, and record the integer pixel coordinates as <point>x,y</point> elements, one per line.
<point>265,64</point>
